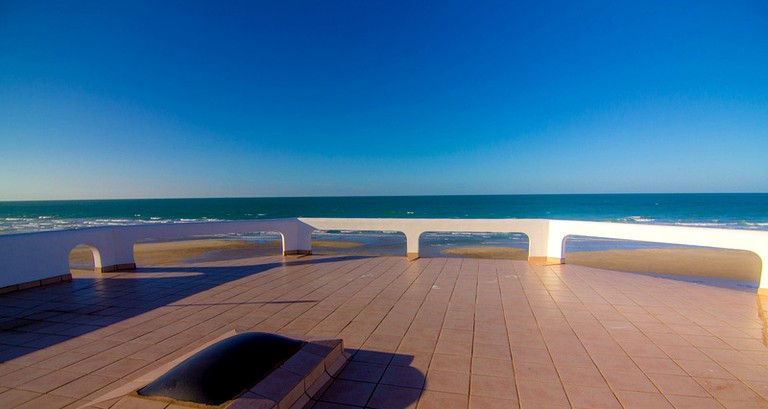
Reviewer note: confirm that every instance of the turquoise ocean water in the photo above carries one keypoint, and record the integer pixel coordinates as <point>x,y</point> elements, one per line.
<point>732,211</point>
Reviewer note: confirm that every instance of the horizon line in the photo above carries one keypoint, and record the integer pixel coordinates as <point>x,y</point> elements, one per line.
<point>370,196</point>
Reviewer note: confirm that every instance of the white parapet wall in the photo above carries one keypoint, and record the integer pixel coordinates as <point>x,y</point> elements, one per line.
<point>31,257</point>
<point>35,257</point>
<point>749,240</point>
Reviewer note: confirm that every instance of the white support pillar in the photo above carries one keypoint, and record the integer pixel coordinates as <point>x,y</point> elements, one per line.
<point>116,254</point>
<point>412,243</point>
<point>297,240</point>
<point>555,250</point>
<point>537,247</point>
<point>545,244</point>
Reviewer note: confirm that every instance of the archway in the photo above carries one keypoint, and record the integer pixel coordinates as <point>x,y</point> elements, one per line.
<point>83,259</point>
<point>513,246</point>
<point>204,248</point>
<point>379,243</point>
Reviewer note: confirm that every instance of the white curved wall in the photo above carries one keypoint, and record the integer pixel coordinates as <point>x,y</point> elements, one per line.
<point>37,256</point>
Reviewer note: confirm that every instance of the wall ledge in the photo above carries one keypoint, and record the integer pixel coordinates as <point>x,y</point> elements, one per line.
<point>116,267</point>
<point>35,283</point>
<point>546,260</point>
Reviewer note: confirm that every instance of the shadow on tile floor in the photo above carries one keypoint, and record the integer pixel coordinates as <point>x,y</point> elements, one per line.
<point>37,318</point>
<point>373,379</point>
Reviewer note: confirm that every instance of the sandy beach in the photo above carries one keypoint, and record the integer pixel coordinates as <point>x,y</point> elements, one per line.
<point>728,264</point>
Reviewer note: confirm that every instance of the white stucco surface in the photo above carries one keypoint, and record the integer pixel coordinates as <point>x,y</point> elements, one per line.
<point>37,256</point>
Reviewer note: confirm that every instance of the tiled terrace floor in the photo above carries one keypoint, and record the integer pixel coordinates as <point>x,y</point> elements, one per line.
<point>433,333</point>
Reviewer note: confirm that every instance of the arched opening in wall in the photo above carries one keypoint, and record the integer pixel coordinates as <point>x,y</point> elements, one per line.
<point>716,266</point>
<point>208,248</point>
<point>83,259</point>
<point>510,246</point>
<point>373,243</point>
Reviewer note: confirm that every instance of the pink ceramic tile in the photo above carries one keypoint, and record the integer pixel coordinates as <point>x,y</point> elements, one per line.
<point>14,397</point>
<point>132,402</point>
<point>492,338</point>
<point>705,369</point>
<point>533,352</point>
<point>47,402</point>
<point>728,389</point>
<point>348,392</point>
<point>536,372</point>
<point>486,402</point>
<point>497,351</point>
<point>588,376</point>
<point>50,381</point>
<point>453,363</point>
<point>362,371</point>
<point>658,366</point>
<point>602,330</point>
<point>483,385</point>
<point>635,381</point>
<point>464,336</point>
<point>642,400</point>
<point>745,372</point>
<point>442,400</point>
<point>592,397</point>
<point>446,381</point>
<point>678,385</point>
<point>693,402</point>
<point>493,367</point>
<point>403,376</point>
<point>416,344</point>
<point>394,397</point>
<point>533,393</point>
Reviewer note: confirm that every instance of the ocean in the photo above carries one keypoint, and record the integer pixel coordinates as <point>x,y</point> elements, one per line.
<point>730,211</point>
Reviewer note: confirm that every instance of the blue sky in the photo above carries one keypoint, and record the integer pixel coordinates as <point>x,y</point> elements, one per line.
<point>308,98</point>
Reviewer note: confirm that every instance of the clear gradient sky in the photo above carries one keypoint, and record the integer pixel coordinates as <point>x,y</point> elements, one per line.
<point>304,98</point>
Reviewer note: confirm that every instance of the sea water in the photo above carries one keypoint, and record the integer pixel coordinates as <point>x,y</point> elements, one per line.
<point>730,211</point>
